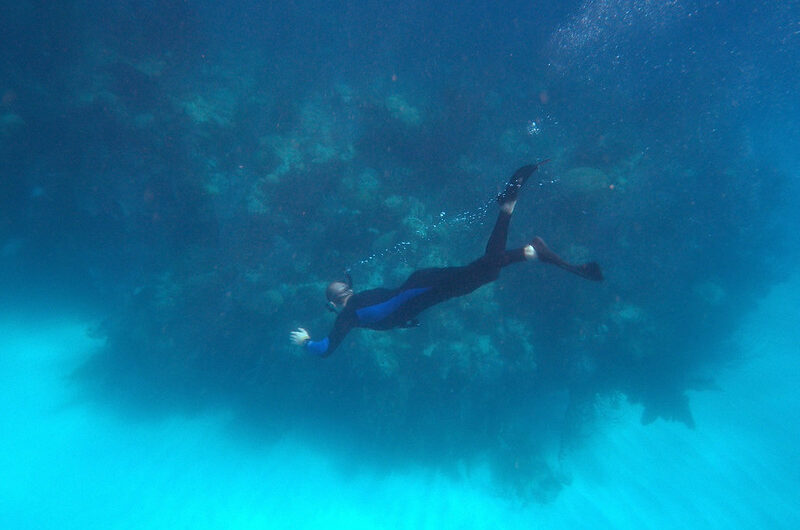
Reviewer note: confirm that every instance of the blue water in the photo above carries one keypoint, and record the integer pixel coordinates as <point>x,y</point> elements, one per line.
<point>180,180</point>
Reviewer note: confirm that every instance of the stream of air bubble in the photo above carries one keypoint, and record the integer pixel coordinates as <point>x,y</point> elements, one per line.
<point>460,221</point>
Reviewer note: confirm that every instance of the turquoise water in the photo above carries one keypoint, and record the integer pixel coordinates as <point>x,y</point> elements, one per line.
<point>180,180</point>
<point>69,463</point>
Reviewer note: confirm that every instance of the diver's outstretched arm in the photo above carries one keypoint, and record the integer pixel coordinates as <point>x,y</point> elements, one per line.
<point>300,337</point>
<point>344,323</point>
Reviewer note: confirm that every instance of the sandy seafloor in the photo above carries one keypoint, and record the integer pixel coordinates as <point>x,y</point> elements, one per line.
<point>65,463</point>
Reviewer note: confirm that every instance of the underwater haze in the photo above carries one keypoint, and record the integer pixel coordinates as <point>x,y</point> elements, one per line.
<point>181,180</point>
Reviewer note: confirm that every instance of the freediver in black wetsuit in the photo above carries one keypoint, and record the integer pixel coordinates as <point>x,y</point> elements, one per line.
<point>397,308</point>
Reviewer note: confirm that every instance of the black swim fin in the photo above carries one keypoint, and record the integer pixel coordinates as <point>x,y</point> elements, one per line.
<point>517,180</point>
<point>590,271</point>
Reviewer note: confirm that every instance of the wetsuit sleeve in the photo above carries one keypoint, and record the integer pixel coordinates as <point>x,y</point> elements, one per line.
<point>325,347</point>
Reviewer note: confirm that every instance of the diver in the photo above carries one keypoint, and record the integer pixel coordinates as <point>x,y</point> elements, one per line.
<point>383,308</point>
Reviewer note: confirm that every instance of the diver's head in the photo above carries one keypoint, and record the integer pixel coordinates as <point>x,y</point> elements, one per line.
<point>338,293</point>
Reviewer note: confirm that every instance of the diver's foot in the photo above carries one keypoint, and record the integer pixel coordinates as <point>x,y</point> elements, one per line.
<point>508,206</point>
<point>529,252</point>
<point>543,252</point>
<point>516,182</point>
<point>590,271</point>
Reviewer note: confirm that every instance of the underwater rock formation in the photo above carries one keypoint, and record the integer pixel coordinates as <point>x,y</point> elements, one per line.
<point>586,180</point>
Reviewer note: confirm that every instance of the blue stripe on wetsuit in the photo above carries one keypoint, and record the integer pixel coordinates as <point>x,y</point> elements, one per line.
<point>375,313</point>
<point>318,347</point>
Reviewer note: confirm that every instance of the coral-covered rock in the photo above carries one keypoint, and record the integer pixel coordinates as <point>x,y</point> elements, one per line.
<point>585,180</point>
<point>216,109</point>
<point>401,110</point>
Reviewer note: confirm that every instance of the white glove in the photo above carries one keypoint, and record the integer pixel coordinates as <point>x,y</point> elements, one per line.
<point>299,337</point>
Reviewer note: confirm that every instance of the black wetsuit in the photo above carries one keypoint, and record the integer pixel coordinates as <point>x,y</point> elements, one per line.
<point>396,308</point>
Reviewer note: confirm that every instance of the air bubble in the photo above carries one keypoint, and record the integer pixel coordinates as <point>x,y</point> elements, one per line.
<point>463,220</point>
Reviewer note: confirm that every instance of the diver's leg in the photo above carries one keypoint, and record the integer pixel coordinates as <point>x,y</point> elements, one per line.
<point>449,282</point>
<point>497,241</point>
<point>538,250</point>
<point>515,183</point>
<point>507,200</point>
<point>426,277</point>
